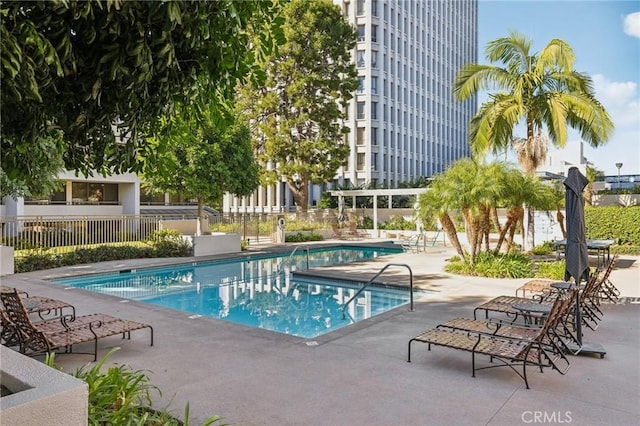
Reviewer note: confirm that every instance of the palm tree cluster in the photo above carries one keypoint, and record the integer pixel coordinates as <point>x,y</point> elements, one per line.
<point>478,190</point>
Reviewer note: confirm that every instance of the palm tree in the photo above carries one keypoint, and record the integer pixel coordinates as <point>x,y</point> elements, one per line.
<point>543,90</point>
<point>470,187</point>
<point>592,175</point>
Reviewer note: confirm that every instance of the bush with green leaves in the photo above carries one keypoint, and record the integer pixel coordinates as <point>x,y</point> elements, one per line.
<point>488,264</point>
<point>122,396</point>
<point>301,237</point>
<point>165,243</point>
<point>551,270</point>
<point>169,243</point>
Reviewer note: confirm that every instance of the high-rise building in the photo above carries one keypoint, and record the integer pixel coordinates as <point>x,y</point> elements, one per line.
<point>404,120</point>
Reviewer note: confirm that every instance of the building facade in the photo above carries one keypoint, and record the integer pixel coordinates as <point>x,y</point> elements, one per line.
<point>404,121</point>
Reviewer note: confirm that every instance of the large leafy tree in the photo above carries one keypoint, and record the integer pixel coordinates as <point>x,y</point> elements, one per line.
<point>541,90</point>
<point>99,71</point>
<point>202,159</point>
<point>298,112</point>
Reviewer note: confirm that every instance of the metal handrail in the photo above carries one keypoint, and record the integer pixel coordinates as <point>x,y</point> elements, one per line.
<point>288,261</point>
<point>384,268</point>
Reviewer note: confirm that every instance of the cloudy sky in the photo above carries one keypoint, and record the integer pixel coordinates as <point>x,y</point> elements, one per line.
<point>605,36</point>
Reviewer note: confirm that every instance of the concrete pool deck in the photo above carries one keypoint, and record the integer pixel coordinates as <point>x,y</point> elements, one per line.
<point>359,375</point>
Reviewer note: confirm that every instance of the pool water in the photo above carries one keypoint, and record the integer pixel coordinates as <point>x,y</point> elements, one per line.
<point>256,291</point>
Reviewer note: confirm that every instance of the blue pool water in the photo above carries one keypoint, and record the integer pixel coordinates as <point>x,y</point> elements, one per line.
<point>256,291</point>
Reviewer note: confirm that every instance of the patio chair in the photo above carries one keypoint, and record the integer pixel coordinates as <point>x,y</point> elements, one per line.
<point>538,286</point>
<point>64,332</point>
<point>355,232</point>
<point>43,306</point>
<point>562,336</point>
<point>591,313</point>
<point>337,232</point>
<point>538,350</point>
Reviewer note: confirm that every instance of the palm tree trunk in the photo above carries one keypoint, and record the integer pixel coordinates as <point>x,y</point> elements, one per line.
<point>560,219</point>
<point>199,215</point>
<point>450,229</point>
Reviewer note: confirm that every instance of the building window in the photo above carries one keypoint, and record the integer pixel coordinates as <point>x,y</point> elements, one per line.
<point>360,111</point>
<point>374,59</point>
<point>374,161</point>
<point>374,85</point>
<point>374,136</point>
<point>374,7</point>
<point>374,110</point>
<point>360,136</point>
<point>94,193</point>
<point>360,54</point>
<point>361,33</point>
<point>360,88</point>
<point>360,7</point>
<point>374,33</point>
<point>360,161</point>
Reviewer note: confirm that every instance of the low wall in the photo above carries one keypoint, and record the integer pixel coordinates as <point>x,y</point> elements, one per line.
<point>206,245</point>
<point>7,265</point>
<point>185,227</point>
<point>41,395</point>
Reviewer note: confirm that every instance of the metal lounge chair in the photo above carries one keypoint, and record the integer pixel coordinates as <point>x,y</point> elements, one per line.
<point>608,290</point>
<point>563,338</point>
<point>64,332</point>
<point>45,307</point>
<point>538,350</point>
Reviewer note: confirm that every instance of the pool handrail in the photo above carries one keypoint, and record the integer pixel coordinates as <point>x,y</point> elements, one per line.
<point>384,268</point>
<point>288,260</point>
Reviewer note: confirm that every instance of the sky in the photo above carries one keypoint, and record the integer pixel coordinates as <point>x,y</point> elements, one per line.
<point>605,37</point>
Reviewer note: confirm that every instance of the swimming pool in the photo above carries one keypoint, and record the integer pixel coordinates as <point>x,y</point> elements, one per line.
<point>256,291</point>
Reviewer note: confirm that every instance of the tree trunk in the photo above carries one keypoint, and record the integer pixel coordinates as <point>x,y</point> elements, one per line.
<point>300,195</point>
<point>560,219</point>
<point>450,229</point>
<point>531,240</point>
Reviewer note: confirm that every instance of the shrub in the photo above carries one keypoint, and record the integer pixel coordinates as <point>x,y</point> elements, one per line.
<point>303,237</point>
<point>546,248</point>
<point>613,223</point>
<point>169,243</point>
<point>551,270</point>
<point>498,266</point>
<point>122,396</point>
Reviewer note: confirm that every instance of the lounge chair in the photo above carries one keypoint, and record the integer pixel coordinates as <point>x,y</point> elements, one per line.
<point>563,334</point>
<point>538,350</point>
<point>64,332</point>
<point>589,301</point>
<point>608,290</point>
<point>355,232</point>
<point>337,232</point>
<point>43,306</point>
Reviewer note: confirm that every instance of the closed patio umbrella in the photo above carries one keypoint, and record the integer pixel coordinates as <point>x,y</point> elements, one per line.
<point>576,254</point>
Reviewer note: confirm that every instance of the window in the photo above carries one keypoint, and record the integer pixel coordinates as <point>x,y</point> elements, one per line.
<point>374,161</point>
<point>360,161</point>
<point>360,88</point>
<point>360,7</point>
<point>374,7</point>
<point>95,193</point>
<point>374,59</point>
<point>360,111</point>
<point>374,110</point>
<point>374,33</point>
<point>360,54</point>
<point>360,133</point>
<point>361,33</point>
<point>374,85</point>
<point>374,136</point>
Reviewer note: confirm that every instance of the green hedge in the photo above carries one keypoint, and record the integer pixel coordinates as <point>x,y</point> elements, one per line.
<point>614,223</point>
<point>167,243</point>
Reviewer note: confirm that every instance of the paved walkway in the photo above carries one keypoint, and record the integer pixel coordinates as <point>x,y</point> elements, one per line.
<point>359,375</point>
